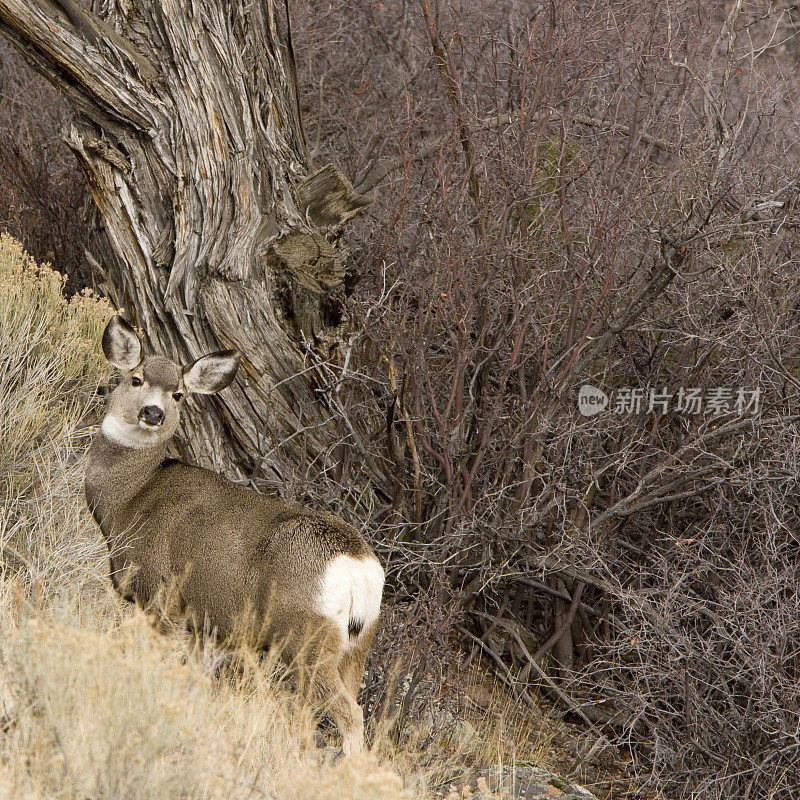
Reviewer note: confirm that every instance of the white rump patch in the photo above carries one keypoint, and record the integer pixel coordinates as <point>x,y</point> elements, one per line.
<point>350,594</point>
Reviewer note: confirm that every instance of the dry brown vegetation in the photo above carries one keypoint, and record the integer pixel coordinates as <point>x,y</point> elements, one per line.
<point>569,193</point>
<point>583,192</point>
<point>42,194</point>
<point>93,702</point>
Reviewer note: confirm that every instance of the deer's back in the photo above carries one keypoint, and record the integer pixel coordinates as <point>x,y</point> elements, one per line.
<point>229,548</point>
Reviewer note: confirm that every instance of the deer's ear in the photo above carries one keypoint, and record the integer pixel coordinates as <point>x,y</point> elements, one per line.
<point>121,345</point>
<point>212,373</point>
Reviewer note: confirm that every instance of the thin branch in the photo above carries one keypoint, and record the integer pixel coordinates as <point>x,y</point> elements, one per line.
<point>595,122</point>
<point>385,167</point>
<point>559,632</point>
<point>595,612</point>
<point>648,493</point>
<point>453,91</point>
<point>508,678</point>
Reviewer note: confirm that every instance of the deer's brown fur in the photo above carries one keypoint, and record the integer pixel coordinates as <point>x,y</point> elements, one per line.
<point>229,558</point>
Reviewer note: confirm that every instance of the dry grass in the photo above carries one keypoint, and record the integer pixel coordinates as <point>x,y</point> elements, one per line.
<point>49,371</point>
<point>94,703</point>
<point>109,710</point>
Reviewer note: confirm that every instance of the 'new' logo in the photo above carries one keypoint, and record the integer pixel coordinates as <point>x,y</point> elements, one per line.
<point>591,400</point>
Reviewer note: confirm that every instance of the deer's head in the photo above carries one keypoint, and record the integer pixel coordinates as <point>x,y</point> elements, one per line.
<point>144,409</point>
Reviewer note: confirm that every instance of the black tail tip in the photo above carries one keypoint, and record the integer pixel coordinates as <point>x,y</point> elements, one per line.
<point>354,627</point>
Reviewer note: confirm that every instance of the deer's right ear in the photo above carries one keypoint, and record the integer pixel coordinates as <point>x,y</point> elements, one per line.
<point>121,345</point>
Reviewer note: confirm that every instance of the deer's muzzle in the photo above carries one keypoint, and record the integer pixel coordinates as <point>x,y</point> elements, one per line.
<point>152,415</point>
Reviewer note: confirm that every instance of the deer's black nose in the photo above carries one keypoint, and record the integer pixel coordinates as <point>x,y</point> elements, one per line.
<point>152,415</point>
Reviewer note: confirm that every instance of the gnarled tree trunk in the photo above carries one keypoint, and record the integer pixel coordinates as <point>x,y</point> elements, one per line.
<point>212,229</point>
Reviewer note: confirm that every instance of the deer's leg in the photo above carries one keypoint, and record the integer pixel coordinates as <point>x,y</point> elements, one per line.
<point>317,657</point>
<point>351,667</point>
<point>341,705</point>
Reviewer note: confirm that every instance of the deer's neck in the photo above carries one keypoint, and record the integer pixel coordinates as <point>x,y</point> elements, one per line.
<point>115,474</point>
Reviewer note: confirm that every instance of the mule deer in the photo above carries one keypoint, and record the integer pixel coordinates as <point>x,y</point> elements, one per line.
<point>306,579</point>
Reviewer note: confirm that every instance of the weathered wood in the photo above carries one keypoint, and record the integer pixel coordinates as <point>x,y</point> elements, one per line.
<point>212,227</point>
<point>328,198</point>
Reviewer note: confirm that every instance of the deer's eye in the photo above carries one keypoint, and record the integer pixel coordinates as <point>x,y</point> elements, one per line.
<point>136,381</point>
<point>176,396</point>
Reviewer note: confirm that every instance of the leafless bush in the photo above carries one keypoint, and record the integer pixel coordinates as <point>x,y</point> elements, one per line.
<point>575,193</point>
<point>42,193</point>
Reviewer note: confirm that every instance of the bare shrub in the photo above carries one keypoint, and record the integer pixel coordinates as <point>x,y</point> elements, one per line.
<point>572,193</point>
<point>43,195</point>
<point>49,373</point>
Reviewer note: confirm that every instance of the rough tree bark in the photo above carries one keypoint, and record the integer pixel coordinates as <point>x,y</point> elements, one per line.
<point>212,227</point>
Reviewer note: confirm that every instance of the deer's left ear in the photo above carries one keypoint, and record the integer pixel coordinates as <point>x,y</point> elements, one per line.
<point>211,373</point>
<point>121,345</point>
